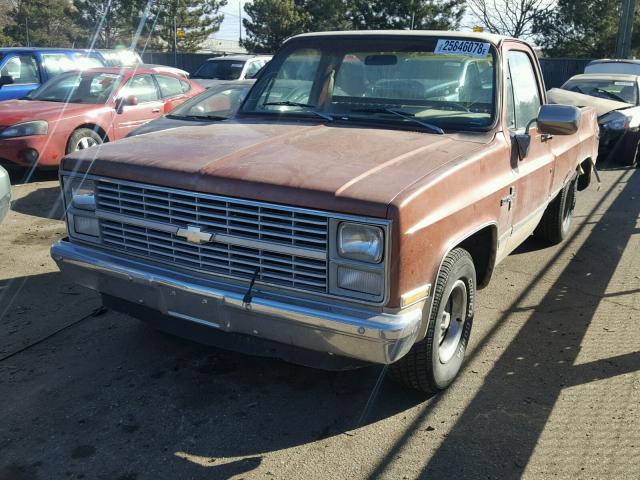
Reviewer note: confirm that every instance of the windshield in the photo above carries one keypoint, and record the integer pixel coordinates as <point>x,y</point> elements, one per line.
<point>220,102</point>
<point>220,70</point>
<point>78,87</point>
<point>424,79</point>
<point>619,90</point>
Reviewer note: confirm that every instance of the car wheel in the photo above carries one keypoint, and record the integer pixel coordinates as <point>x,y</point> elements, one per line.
<point>82,139</point>
<point>558,217</point>
<point>433,363</point>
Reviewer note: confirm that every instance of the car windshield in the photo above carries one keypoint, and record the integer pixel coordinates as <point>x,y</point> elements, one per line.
<point>619,90</point>
<point>415,81</point>
<point>220,70</point>
<point>78,87</point>
<point>220,102</point>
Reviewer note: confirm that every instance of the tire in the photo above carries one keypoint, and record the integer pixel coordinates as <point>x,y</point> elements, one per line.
<point>83,138</point>
<point>433,363</point>
<point>558,217</point>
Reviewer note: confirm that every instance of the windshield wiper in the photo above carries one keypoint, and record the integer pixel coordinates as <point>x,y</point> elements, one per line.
<point>198,117</point>
<point>308,107</point>
<point>402,114</point>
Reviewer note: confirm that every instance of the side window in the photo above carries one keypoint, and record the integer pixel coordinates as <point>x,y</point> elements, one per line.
<point>84,61</point>
<point>185,86</point>
<point>525,89</point>
<point>169,86</point>
<point>511,112</point>
<point>57,63</point>
<point>22,68</point>
<point>143,87</point>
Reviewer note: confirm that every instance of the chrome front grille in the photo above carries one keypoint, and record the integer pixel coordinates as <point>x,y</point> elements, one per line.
<point>287,246</point>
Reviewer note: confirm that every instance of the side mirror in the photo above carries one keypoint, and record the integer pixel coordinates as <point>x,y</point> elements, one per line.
<point>559,119</point>
<point>6,80</point>
<point>552,120</point>
<point>128,101</point>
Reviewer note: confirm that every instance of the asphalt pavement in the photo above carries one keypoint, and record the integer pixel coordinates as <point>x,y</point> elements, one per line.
<point>550,389</point>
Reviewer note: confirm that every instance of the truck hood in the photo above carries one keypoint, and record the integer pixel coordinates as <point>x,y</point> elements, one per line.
<point>330,167</point>
<point>18,111</point>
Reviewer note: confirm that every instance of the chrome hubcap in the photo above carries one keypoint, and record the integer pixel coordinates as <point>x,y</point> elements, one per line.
<point>452,322</point>
<point>85,142</point>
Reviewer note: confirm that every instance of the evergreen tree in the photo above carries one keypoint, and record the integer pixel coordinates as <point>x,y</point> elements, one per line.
<point>271,22</point>
<point>407,14</point>
<point>582,28</point>
<point>196,19</point>
<point>43,23</point>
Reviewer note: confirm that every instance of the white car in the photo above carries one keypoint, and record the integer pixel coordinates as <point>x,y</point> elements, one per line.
<point>5,193</point>
<point>229,68</point>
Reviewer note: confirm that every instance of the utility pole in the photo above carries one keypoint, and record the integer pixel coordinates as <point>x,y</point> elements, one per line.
<point>625,30</point>
<point>240,19</point>
<point>175,42</point>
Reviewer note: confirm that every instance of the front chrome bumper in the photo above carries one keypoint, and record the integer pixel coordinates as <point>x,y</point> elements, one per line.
<point>355,332</point>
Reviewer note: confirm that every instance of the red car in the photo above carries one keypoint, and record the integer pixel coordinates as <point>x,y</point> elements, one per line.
<point>77,110</point>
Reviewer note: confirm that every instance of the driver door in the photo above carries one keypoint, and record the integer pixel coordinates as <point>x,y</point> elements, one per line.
<point>533,174</point>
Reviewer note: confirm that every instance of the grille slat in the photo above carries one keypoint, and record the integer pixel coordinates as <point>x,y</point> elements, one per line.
<point>274,224</point>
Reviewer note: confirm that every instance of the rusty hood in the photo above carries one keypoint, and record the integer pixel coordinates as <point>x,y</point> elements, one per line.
<point>330,167</point>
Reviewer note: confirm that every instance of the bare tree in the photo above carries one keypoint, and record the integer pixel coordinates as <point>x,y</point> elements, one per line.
<point>508,17</point>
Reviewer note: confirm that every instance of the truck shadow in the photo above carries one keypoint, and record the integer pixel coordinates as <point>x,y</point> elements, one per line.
<point>45,203</point>
<point>496,434</point>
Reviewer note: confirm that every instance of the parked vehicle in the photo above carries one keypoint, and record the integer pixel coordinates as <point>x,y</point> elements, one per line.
<point>351,225</point>
<point>120,57</point>
<point>213,105</point>
<point>130,58</point>
<point>5,193</point>
<point>231,67</point>
<point>607,65</point>
<point>25,69</point>
<point>616,99</point>
<point>77,110</point>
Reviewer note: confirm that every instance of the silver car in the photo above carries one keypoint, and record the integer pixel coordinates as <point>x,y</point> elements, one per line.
<point>5,193</point>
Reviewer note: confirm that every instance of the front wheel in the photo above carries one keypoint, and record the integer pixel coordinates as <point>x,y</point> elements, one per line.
<point>82,139</point>
<point>433,363</point>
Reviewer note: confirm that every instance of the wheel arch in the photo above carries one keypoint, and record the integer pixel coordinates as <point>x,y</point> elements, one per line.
<point>482,245</point>
<point>585,173</point>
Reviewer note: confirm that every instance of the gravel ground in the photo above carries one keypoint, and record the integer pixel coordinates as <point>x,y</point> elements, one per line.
<point>551,387</point>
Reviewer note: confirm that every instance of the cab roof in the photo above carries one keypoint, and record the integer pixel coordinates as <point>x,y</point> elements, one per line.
<point>481,37</point>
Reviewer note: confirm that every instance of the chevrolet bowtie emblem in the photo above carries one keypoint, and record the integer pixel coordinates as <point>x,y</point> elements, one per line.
<point>193,234</point>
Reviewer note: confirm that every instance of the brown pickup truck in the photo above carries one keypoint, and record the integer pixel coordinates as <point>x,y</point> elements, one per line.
<point>368,186</point>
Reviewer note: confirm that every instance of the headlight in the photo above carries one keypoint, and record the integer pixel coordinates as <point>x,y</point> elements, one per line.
<point>360,242</point>
<point>80,193</point>
<point>39,127</point>
<point>615,121</point>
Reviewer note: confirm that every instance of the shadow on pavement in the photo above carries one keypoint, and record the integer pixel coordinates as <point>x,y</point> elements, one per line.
<point>114,388</point>
<point>44,202</point>
<point>21,175</point>
<point>496,434</point>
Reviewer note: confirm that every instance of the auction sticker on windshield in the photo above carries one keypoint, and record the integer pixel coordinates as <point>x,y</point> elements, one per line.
<point>462,47</point>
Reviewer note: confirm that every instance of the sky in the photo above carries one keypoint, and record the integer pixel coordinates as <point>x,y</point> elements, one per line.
<point>229,30</point>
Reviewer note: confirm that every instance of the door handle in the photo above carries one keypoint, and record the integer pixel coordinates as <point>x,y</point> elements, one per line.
<point>155,110</point>
<point>546,137</point>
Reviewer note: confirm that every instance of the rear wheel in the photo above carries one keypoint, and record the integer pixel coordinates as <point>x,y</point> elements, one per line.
<point>433,363</point>
<point>558,217</point>
<point>82,139</point>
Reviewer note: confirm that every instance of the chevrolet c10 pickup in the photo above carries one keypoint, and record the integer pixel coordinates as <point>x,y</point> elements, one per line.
<point>347,215</point>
